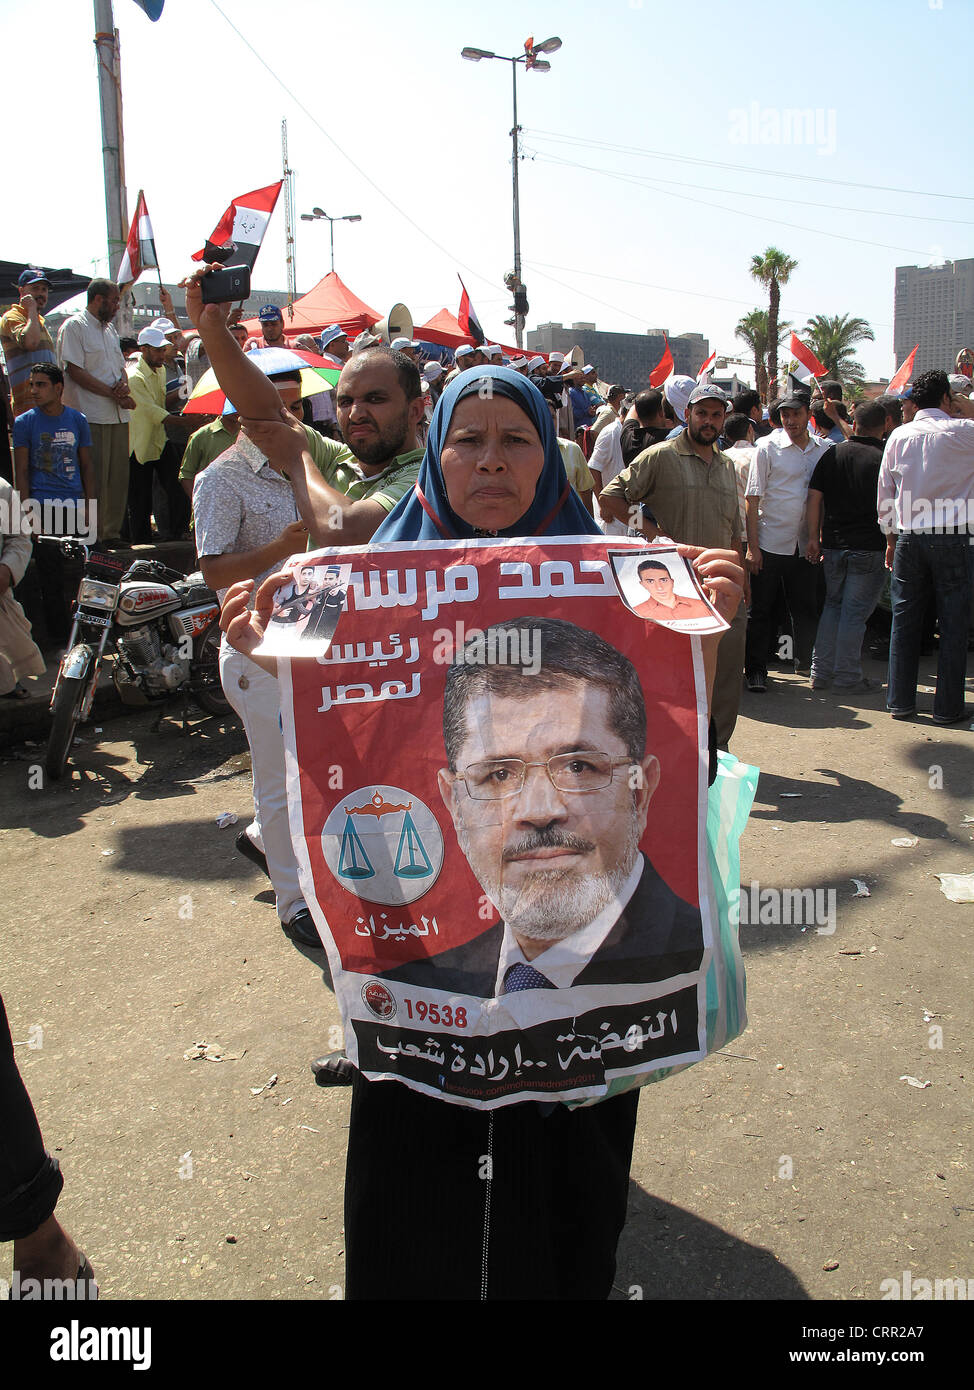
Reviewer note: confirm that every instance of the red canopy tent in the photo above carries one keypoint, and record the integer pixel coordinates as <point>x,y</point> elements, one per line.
<point>331,301</point>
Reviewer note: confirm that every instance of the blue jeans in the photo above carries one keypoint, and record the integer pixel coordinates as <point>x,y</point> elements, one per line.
<point>853,583</point>
<point>942,565</point>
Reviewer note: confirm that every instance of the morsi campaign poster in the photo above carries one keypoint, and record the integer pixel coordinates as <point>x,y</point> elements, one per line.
<point>497,779</point>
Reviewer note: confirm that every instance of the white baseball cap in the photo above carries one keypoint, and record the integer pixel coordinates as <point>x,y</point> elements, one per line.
<point>399,343</point>
<point>463,350</point>
<point>152,337</point>
<point>433,371</point>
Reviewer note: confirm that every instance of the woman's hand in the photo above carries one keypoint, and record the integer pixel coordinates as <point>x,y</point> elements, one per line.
<point>721,575</point>
<point>244,626</point>
<point>722,578</point>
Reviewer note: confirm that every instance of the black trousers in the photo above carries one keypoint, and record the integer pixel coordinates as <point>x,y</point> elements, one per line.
<point>139,509</point>
<point>30,1180</point>
<point>799,579</point>
<point>442,1202</point>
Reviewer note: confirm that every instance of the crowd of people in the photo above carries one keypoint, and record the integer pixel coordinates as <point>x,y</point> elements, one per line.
<point>799,507</point>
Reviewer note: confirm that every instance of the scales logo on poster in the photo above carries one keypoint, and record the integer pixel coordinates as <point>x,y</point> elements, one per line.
<point>383,845</point>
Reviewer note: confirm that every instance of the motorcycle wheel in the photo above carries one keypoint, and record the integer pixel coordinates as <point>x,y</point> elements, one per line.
<point>207,689</point>
<point>67,708</point>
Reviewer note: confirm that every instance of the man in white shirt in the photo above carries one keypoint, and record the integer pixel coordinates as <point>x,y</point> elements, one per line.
<point>925,500</point>
<point>605,464</point>
<point>95,382</point>
<point>777,492</point>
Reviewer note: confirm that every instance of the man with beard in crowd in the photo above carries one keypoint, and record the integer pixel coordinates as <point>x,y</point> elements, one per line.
<point>247,525</point>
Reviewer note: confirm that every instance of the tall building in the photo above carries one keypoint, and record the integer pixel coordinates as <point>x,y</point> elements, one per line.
<point>625,358</point>
<point>933,306</point>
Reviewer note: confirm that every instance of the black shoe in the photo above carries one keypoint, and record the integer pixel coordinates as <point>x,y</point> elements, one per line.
<point>301,928</point>
<point>957,719</point>
<point>334,1069</point>
<point>249,850</point>
<point>757,682</point>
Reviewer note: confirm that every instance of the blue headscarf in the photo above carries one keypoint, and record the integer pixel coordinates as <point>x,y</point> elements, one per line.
<point>556,509</point>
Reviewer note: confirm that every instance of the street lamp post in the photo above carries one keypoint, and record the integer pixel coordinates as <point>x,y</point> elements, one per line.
<point>532,64</point>
<point>317,215</point>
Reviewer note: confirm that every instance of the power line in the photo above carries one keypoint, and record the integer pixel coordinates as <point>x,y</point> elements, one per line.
<point>640,181</point>
<point>771,197</point>
<point>347,157</point>
<point>540,266</point>
<point>741,168</point>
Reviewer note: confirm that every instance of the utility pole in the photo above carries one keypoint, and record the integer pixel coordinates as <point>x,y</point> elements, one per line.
<point>288,175</point>
<point>112,143</point>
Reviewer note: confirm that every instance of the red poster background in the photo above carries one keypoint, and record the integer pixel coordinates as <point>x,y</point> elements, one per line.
<point>350,748</point>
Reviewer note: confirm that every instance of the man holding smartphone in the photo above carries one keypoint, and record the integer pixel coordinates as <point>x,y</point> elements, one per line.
<point>247,525</point>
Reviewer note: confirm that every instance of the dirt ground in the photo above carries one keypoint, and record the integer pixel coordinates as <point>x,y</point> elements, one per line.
<point>797,1164</point>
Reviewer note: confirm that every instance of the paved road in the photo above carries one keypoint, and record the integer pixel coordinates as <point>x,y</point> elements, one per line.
<point>796,1165</point>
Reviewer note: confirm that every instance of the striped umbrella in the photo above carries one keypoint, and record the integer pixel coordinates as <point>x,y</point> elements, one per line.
<point>317,375</point>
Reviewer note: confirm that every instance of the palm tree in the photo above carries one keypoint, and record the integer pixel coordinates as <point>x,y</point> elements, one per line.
<point>753,330</point>
<point>773,270</point>
<point>832,340</point>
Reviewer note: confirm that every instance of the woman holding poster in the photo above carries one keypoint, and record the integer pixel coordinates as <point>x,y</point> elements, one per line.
<point>512,886</point>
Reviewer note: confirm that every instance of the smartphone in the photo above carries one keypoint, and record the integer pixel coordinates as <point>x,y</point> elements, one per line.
<point>225,286</point>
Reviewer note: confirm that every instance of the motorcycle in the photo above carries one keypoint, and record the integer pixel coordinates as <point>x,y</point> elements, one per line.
<point>160,628</point>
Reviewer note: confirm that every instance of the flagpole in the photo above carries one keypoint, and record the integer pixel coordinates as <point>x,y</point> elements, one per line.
<point>110,97</point>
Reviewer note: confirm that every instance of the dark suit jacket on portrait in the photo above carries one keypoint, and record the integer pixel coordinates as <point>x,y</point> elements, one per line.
<point>657,935</point>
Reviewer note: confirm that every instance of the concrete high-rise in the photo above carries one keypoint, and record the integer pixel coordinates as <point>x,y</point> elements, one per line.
<point>933,306</point>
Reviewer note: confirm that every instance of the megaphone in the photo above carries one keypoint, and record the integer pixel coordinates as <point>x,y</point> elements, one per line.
<point>398,323</point>
<point>577,356</point>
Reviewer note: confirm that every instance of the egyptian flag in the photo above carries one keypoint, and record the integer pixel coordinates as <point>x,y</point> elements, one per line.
<point>703,376</point>
<point>664,366</point>
<point>237,236</point>
<point>467,317</point>
<point>140,249</point>
<point>902,377</point>
<point>809,366</point>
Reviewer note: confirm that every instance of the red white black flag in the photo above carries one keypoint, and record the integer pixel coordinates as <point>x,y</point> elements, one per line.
<point>703,376</point>
<point>467,317</point>
<point>808,366</point>
<point>140,249</point>
<point>237,236</point>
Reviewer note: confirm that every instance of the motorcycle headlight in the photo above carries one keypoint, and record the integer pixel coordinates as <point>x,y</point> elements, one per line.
<point>97,595</point>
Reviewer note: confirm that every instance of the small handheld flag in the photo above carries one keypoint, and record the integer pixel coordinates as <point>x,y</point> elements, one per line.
<point>902,376</point>
<point>809,366</point>
<point>664,366</point>
<point>140,248</point>
<point>467,317</point>
<point>238,234</point>
<point>703,376</point>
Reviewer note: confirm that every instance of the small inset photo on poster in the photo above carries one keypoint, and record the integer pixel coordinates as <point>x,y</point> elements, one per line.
<point>659,584</point>
<point>306,609</point>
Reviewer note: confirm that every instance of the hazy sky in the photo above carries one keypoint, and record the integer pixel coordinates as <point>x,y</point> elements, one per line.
<point>658,128</point>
